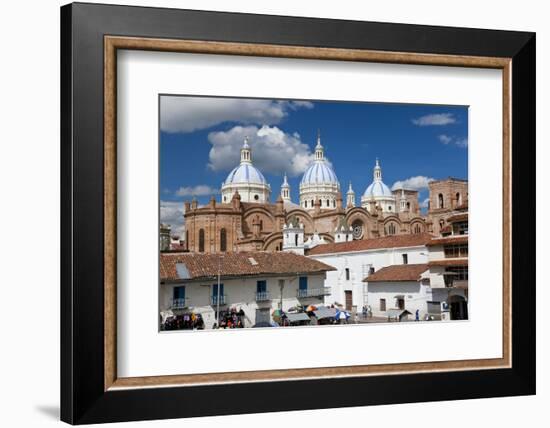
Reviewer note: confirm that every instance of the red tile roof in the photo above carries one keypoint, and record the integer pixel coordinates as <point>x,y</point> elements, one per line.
<point>456,239</point>
<point>457,217</point>
<point>398,273</point>
<point>200,265</point>
<point>395,241</point>
<point>449,262</point>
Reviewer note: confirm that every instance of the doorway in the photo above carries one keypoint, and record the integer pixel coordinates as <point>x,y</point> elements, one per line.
<point>349,299</point>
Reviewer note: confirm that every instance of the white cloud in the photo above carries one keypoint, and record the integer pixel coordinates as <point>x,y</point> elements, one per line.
<point>188,114</point>
<point>199,190</point>
<point>172,213</point>
<point>451,139</point>
<point>438,119</point>
<point>418,182</point>
<point>425,203</point>
<point>273,150</point>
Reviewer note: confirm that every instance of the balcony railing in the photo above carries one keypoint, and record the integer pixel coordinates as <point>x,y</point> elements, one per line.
<point>314,292</point>
<point>262,296</point>
<point>214,299</point>
<point>180,303</point>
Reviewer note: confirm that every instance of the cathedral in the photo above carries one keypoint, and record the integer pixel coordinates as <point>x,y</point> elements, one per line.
<point>245,219</point>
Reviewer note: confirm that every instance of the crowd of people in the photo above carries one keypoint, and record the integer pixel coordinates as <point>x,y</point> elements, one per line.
<point>183,322</point>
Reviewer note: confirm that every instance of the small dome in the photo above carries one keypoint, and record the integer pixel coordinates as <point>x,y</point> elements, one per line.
<point>319,173</point>
<point>377,189</point>
<point>245,173</point>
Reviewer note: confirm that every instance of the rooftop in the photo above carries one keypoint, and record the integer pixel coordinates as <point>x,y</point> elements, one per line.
<point>454,239</point>
<point>396,241</point>
<point>190,266</point>
<point>398,273</point>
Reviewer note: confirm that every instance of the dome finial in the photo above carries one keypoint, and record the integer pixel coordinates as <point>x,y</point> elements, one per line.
<point>377,171</point>
<point>246,153</point>
<point>319,151</point>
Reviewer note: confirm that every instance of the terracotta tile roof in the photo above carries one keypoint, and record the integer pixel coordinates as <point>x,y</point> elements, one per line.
<point>457,217</point>
<point>449,262</point>
<point>456,239</point>
<point>398,273</point>
<point>396,241</point>
<point>199,265</point>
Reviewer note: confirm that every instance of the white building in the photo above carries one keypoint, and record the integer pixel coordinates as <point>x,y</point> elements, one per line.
<point>319,183</point>
<point>448,266</point>
<point>247,180</point>
<point>257,283</point>
<point>404,287</point>
<point>355,260</point>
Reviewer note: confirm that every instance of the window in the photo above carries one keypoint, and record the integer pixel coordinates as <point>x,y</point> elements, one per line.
<point>417,229</point>
<point>296,240</point>
<point>458,199</point>
<point>460,228</point>
<point>256,197</point>
<point>371,270</point>
<point>405,259</point>
<point>390,230</point>
<point>179,293</point>
<point>440,201</point>
<point>261,286</point>
<point>382,305</point>
<point>408,205</point>
<point>347,274</point>
<point>456,250</point>
<point>328,203</point>
<point>201,240</point>
<point>389,208</point>
<point>400,303</point>
<point>215,294</point>
<point>305,204</point>
<point>223,240</point>
<point>225,198</point>
<point>334,204</point>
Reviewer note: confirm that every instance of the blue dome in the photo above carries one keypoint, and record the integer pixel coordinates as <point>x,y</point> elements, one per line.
<point>377,189</point>
<point>319,173</point>
<point>245,173</point>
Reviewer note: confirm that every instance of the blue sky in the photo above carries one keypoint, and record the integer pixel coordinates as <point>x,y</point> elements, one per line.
<point>200,139</point>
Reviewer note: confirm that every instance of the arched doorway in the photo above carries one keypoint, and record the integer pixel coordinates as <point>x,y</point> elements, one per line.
<point>458,307</point>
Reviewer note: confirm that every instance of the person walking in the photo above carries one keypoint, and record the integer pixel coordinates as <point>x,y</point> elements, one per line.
<point>417,315</point>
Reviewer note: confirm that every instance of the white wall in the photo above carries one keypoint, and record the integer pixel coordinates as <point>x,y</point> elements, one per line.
<point>30,144</point>
<point>358,264</point>
<point>240,293</point>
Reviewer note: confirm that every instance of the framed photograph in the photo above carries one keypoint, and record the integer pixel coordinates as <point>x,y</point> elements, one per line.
<point>286,213</point>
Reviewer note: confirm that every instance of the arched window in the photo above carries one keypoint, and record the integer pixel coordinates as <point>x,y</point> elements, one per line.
<point>201,240</point>
<point>328,203</point>
<point>187,239</point>
<point>223,240</point>
<point>305,204</point>
<point>296,240</point>
<point>391,229</point>
<point>333,204</point>
<point>417,229</point>
<point>458,199</point>
<point>440,201</point>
